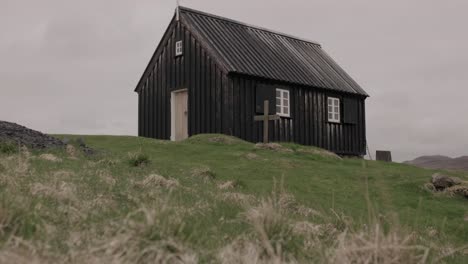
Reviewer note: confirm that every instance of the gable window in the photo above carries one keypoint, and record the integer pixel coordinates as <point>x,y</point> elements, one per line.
<point>282,102</point>
<point>178,48</point>
<point>333,110</point>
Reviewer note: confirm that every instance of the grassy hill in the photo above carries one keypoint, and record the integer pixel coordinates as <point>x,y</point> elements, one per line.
<point>216,199</point>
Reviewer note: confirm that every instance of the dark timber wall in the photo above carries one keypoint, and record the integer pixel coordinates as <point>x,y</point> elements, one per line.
<point>226,104</point>
<point>196,71</point>
<point>308,123</point>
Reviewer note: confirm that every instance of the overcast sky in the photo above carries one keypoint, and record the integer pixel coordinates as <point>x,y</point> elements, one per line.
<point>71,66</point>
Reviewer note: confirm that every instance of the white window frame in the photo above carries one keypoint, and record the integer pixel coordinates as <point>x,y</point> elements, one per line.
<point>334,107</point>
<point>179,48</point>
<point>284,105</point>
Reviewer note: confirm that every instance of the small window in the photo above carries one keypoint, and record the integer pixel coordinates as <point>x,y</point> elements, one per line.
<point>178,48</point>
<point>333,110</point>
<point>282,102</point>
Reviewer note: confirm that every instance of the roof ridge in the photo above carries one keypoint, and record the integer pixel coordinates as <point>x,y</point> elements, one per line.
<point>183,8</point>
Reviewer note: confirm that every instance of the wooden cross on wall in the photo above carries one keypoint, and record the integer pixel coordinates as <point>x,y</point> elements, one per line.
<point>265,118</point>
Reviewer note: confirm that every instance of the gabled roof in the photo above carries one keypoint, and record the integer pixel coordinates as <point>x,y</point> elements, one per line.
<point>250,50</point>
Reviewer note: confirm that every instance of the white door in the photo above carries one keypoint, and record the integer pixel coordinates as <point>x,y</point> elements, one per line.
<point>179,114</point>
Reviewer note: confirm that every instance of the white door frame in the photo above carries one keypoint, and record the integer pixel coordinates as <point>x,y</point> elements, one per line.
<point>173,93</point>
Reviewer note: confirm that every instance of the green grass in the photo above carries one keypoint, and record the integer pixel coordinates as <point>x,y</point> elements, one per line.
<point>8,147</point>
<point>74,204</point>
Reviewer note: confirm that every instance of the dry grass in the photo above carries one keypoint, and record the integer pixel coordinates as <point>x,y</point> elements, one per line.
<point>155,180</point>
<point>320,152</point>
<point>61,191</point>
<point>251,156</point>
<point>307,228</point>
<point>273,147</point>
<point>273,231</point>
<point>248,251</point>
<point>223,140</point>
<point>238,198</point>
<point>19,251</point>
<point>138,159</point>
<point>106,177</point>
<point>204,173</point>
<point>376,246</point>
<point>227,185</point>
<point>145,236</point>
<point>458,190</point>
<point>50,157</point>
<point>18,164</point>
<point>72,152</point>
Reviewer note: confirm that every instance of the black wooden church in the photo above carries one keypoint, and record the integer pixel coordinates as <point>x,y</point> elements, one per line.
<point>211,74</point>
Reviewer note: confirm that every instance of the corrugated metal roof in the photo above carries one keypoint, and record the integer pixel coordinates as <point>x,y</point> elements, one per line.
<point>256,51</point>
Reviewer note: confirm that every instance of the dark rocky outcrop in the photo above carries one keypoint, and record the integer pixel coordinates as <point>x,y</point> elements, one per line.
<point>17,134</point>
<point>441,182</point>
<point>447,184</point>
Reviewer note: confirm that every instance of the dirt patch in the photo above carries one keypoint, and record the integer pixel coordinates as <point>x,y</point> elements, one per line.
<point>11,132</point>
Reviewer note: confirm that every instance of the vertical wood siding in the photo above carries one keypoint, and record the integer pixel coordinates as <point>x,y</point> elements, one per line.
<point>196,71</point>
<point>308,123</point>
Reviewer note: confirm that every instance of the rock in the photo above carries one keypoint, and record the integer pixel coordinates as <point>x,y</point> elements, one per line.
<point>459,189</point>
<point>81,142</point>
<point>456,180</point>
<point>66,141</point>
<point>11,132</point>
<point>85,148</point>
<point>441,182</point>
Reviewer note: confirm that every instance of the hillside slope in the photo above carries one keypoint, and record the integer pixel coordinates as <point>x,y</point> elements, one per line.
<point>217,199</point>
<point>440,162</point>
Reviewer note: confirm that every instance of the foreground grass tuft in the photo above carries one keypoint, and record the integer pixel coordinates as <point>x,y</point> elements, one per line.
<point>138,159</point>
<point>7,147</point>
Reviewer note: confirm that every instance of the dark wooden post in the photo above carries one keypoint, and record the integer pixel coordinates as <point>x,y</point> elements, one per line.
<point>383,155</point>
<point>266,118</point>
<point>265,121</point>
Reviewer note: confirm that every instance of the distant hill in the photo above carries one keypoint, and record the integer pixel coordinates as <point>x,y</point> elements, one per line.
<point>440,162</point>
